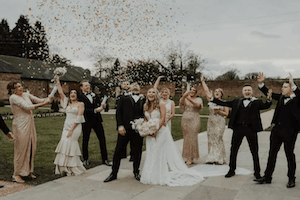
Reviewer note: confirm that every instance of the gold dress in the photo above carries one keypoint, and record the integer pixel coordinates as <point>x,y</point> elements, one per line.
<point>23,128</point>
<point>190,124</point>
<point>215,131</point>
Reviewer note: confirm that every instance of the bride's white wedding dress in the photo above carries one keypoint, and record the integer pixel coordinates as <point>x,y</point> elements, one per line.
<point>164,165</point>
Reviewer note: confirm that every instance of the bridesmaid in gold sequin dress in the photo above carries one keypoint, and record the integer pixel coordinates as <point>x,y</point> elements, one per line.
<point>190,124</point>
<point>215,128</point>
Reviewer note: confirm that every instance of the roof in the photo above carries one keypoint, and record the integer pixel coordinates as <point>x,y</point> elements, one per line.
<point>37,69</point>
<point>6,67</point>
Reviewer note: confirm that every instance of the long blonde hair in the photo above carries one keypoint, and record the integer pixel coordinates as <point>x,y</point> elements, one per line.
<point>147,104</point>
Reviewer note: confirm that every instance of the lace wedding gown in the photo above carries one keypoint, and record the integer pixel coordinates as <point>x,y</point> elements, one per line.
<point>68,151</point>
<point>163,164</point>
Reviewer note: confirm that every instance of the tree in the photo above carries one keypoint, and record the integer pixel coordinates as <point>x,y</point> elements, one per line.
<point>230,75</point>
<point>194,66</point>
<point>59,60</point>
<point>40,50</point>
<point>142,72</point>
<point>5,38</point>
<point>251,76</point>
<point>22,35</point>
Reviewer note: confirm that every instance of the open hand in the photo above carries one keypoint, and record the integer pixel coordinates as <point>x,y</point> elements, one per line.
<point>260,78</point>
<point>70,133</point>
<point>270,91</point>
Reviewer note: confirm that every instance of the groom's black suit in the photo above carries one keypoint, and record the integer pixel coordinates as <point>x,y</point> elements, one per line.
<point>286,122</point>
<point>92,121</point>
<point>245,122</point>
<point>127,111</point>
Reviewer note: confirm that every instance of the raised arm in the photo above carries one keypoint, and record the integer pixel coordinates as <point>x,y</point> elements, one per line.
<point>157,82</point>
<point>59,88</point>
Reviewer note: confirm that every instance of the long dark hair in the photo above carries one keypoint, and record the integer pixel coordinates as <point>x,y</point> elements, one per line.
<point>11,87</point>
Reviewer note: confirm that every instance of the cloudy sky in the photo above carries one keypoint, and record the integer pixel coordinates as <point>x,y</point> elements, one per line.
<point>250,36</point>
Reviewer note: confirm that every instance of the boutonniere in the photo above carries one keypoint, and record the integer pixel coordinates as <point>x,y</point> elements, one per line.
<point>142,96</point>
<point>93,94</point>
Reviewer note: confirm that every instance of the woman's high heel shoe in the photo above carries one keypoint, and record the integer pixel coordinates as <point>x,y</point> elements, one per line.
<point>17,179</point>
<point>31,175</point>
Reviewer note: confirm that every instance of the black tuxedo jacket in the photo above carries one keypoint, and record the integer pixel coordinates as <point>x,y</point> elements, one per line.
<point>89,107</point>
<point>3,126</point>
<point>293,105</point>
<point>255,107</point>
<point>125,111</point>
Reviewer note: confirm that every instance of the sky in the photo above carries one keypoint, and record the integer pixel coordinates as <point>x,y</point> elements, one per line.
<point>250,36</point>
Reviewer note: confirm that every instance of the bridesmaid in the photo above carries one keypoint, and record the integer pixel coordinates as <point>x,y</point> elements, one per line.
<point>170,105</point>
<point>68,151</point>
<point>215,127</point>
<point>23,128</point>
<point>190,124</point>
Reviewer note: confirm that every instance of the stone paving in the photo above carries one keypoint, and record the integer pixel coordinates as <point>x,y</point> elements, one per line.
<point>239,187</point>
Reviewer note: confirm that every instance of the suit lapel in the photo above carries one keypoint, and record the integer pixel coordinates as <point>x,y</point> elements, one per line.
<point>86,99</point>
<point>131,99</point>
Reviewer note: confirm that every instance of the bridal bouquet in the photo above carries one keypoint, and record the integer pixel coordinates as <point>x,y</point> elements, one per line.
<point>149,127</point>
<point>137,124</point>
<point>60,71</point>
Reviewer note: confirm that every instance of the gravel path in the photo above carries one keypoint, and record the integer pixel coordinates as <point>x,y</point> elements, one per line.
<point>12,187</point>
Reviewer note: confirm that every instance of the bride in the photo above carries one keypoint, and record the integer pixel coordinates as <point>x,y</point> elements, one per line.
<point>163,164</point>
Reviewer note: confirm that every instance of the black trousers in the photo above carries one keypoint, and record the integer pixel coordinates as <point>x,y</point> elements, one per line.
<point>238,134</point>
<point>136,143</point>
<point>287,136</point>
<point>98,128</point>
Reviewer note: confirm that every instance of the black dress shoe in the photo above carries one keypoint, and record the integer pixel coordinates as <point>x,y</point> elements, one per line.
<point>111,177</point>
<point>137,176</point>
<point>86,162</point>
<point>105,162</point>
<point>257,176</point>
<point>1,186</point>
<point>291,184</point>
<point>131,159</point>
<point>230,174</point>
<point>263,180</point>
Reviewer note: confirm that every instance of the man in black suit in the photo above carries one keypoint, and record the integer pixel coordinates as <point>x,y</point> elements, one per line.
<point>7,132</point>
<point>245,121</point>
<point>286,124</point>
<point>93,120</point>
<point>129,107</point>
<point>125,86</point>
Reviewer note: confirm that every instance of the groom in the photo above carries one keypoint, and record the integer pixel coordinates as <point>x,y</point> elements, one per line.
<point>129,107</point>
<point>245,121</point>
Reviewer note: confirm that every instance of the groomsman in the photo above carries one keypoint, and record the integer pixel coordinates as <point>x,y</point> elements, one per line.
<point>286,124</point>
<point>245,121</point>
<point>125,86</point>
<point>129,107</point>
<point>93,120</point>
<point>7,132</point>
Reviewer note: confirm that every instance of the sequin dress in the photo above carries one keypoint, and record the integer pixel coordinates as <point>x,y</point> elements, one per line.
<point>190,124</point>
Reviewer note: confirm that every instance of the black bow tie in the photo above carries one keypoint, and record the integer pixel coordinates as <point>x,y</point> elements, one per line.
<point>136,94</point>
<point>247,99</point>
<point>286,97</point>
<point>87,93</point>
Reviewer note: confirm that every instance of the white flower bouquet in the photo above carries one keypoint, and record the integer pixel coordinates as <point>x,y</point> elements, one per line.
<point>60,71</point>
<point>149,127</point>
<point>137,124</point>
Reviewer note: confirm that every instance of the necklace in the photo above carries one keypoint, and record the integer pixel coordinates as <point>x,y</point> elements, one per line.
<point>166,101</point>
